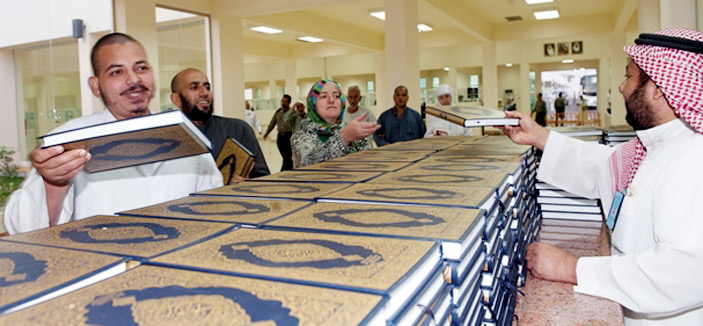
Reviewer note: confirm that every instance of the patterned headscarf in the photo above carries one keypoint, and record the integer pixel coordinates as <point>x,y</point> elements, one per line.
<point>673,59</point>
<point>324,129</point>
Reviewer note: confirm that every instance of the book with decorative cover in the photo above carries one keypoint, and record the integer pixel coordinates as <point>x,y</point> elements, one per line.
<point>455,228</point>
<point>462,167</point>
<point>221,209</point>
<point>471,116</point>
<point>454,157</point>
<point>234,159</point>
<point>383,156</point>
<point>280,190</point>
<point>356,166</point>
<point>422,178</point>
<point>135,141</point>
<point>470,197</point>
<point>487,149</point>
<point>121,235</point>
<point>321,176</point>
<point>149,295</point>
<point>392,267</point>
<point>31,274</point>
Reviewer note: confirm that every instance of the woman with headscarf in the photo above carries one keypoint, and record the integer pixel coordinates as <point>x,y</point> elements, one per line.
<point>325,136</point>
<point>440,127</point>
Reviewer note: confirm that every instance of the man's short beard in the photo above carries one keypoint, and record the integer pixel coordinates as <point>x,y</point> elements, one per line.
<point>193,113</point>
<point>640,114</point>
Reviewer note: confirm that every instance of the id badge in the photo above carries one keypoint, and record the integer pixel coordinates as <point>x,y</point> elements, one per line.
<point>614,210</point>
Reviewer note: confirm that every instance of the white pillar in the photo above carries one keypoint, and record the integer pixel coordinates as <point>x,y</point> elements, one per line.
<point>384,98</point>
<point>523,102</point>
<point>10,132</point>
<point>618,61</point>
<point>402,49</point>
<point>138,20</point>
<point>290,67</point>
<point>490,75</point>
<point>228,65</point>
<point>678,13</point>
<point>648,16</point>
<point>273,93</point>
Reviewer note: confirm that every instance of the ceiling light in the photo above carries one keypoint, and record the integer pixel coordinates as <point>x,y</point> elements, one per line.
<point>310,39</point>
<point>567,61</point>
<point>265,30</point>
<point>421,27</point>
<point>378,13</point>
<point>508,64</point>
<point>445,68</point>
<point>546,14</point>
<point>534,2</point>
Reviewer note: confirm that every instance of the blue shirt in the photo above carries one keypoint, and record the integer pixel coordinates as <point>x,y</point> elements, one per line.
<point>410,126</point>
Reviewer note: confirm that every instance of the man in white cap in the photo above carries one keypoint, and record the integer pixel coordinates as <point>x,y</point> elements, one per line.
<point>441,127</point>
<point>650,186</point>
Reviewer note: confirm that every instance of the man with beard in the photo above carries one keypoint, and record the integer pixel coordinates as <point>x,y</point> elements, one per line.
<point>191,92</point>
<point>650,186</point>
<point>57,190</point>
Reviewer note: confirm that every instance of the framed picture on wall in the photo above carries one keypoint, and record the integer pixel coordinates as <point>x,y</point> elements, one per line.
<point>563,48</point>
<point>549,50</point>
<point>576,47</point>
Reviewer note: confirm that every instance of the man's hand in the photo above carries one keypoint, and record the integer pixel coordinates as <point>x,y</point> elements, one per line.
<point>550,263</point>
<point>238,178</point>
<point>357,129</point>
<point>57,166</point>
<point>528,132</point>
<point>266,136</point>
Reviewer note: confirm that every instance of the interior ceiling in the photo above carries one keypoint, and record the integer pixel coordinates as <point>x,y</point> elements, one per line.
<point>349,24</point>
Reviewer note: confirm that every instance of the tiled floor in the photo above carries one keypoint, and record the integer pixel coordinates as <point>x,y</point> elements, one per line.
<point>271,153</point>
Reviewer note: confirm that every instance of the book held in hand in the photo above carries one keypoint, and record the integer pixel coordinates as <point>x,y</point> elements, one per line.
<point>134,141</point>
<point>471,116</point>
<point>234,159</point>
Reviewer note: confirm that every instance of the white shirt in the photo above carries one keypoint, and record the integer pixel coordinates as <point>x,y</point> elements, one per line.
<point>435,124</point>
<point>252,120</point>
<point>110,191</point>
<point>370,117</point>
<point>657,245</point>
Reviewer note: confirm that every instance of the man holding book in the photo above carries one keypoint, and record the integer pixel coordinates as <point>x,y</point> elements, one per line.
<point>649,187</point>
<point>191,92</point>
<point>58,190</point>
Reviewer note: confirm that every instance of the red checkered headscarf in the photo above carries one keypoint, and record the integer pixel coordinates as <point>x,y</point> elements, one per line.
<point>673,59</point>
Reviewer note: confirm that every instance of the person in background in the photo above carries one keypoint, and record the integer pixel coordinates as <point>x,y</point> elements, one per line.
<point>251,117</point>
<point>354,110</point>
<point>539,111</point>
<point>295,117</point>
<point>560,108</point>
<point>325,136</point>
<point>650,187</point>
<point>440,127</point>
<point>399,123</point>
<point>191,92</point>
<point>510,105</point>
<point>582,107</point>
<point>285,132</point>
<point>57,190</point>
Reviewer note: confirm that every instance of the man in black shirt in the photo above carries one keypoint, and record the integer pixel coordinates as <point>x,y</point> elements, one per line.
<point>190,91</point>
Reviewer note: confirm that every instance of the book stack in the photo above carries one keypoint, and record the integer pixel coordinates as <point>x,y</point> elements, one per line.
<point>426,232</point>
<point>587,134</point>
<point>617,135</point>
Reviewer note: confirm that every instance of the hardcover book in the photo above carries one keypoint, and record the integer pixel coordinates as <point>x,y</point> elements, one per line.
<point>135,141</point>
<point>321,176</point>
<point>470,158</point>
<point>470,197</point>
<point>488,149</point>
<point>221,209</point>
<point>280,190</point>
<point>455,228</point>
<point>121,235</point>
<point>439,178</point>
<point>392,267</point>
<point>356,166</point>
<point>471,116</point>
<point>31,274</point>
<point>149,295</point>
<point>234,159</point>
<point>383,156</point>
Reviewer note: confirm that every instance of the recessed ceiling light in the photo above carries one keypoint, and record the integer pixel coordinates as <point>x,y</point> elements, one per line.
<point>508,64</point>
<point>310,39</point>
<point>265,30</point>
<point>378,13</point>
<point>534,2</point>
<point>546,14</point>
<point>567,61</point>
<point>422,27</point>
<point>445,68</point>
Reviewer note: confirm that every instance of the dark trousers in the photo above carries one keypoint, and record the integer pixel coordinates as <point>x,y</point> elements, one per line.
<point>283,142</point>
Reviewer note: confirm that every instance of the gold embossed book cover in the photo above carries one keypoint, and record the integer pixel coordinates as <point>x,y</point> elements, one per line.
<point>149,295</point>
<point>321,176</point>
<point>28,272</point>
<point>424,178</point>
<point>394,267</point>
<point>356,166</point>
<point>456,228</point>
<point>122,235</point>
<point>471,116</point>
<point>234,159</point>
<point>381,155</point>
<point>135,141</point>
<point>280,190</point>
<point>222,209</point>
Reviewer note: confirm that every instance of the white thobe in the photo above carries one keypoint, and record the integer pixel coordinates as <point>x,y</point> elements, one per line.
<point>112,191</point>
<point>657,246</point>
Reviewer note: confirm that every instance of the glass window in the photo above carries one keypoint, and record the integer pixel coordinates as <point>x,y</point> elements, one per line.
<point>370,86</point>
<point>435,82</point>
<point>48,88</point>
<point>423,84</point>
<point>183,42</point>
<point>473,81</point>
